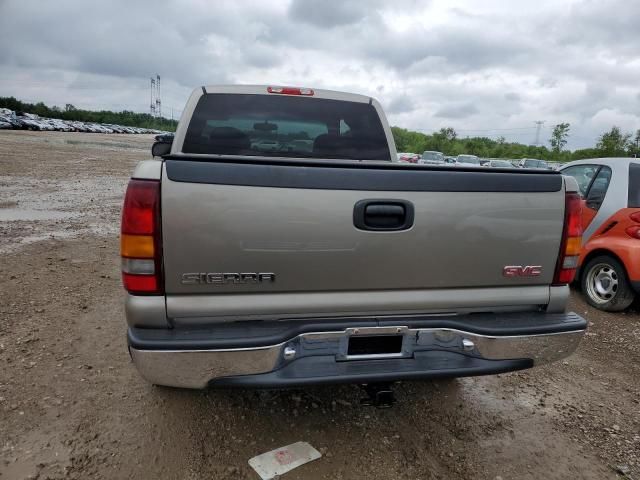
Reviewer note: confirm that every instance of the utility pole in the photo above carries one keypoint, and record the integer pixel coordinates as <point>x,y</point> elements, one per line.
<point>158,101</point>
<point>152,105</point>
<point>539,124</point>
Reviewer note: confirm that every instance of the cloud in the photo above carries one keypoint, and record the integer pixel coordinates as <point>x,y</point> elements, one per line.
<point>457,111</point>
<point>476,66</point>
<point>402,104</point>
<point>329,13</point>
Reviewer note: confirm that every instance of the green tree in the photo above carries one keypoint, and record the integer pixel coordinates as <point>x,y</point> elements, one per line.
<point>559,137</point>
<point>636,144</point>
<point>613,143</point>
<point>448,133</point>
<point>446,140</point>
<point>585,153</point>
<point>443,140</point>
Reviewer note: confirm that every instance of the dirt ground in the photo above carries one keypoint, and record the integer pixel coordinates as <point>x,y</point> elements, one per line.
<point>73,406</point>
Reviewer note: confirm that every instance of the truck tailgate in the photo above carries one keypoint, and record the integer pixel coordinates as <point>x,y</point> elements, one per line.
<point>252,228</point>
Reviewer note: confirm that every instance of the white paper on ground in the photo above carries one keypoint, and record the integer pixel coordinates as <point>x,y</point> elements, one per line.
<point>281,460</point>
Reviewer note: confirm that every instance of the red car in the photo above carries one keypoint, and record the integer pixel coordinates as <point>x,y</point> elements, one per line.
<point>408,157</point>
<point>610,259</point>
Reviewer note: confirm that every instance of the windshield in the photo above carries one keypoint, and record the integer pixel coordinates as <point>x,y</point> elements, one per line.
<point>285,126</point>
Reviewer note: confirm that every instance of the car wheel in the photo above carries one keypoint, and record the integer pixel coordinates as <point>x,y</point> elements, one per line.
<point>604,283</point>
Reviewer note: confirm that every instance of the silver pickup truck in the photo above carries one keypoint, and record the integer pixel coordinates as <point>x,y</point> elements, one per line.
<point>275,243</point>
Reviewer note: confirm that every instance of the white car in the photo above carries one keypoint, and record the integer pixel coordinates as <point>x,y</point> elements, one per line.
<point>533,163</point>
<point>432,158</point>
<point>266,145</point>
<point>499,164</point>
<point>468,161</point>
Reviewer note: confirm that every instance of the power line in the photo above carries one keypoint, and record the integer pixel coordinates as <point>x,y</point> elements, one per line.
<point>477,129</point>
<point>492,129</point>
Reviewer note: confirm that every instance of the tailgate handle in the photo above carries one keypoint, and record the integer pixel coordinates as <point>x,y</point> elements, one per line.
<point>383,215</point>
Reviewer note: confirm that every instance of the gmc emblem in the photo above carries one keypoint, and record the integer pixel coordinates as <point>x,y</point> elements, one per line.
<point>511,271</point>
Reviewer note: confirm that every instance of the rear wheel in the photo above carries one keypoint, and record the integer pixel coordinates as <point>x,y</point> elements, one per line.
<point>605,285</point>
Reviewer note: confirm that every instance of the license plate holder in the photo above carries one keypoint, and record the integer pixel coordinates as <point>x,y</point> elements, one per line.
<point>374,345</point>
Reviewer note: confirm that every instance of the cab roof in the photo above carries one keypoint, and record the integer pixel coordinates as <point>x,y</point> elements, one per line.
<point>264,90</point>
<point>612,162</point>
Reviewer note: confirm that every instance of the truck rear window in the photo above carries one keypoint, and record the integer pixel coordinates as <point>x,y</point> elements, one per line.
<point>634,185</point>
<point>285,126</point>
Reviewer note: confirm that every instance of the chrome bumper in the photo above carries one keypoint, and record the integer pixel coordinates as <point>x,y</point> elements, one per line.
<point>197,368</point>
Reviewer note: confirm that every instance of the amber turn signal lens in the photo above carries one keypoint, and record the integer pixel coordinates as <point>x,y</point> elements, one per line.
<point>574,244</point>
<point>136,246</point>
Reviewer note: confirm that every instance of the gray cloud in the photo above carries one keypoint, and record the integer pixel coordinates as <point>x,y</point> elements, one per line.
<point>329,13</point>
<point>457,111</point>
<point>402,104</point>
<point>476,66</point>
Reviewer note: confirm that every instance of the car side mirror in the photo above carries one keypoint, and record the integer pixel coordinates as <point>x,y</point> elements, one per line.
<point>162,145</point>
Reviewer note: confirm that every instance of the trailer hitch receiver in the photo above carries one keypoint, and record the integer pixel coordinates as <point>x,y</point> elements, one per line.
<point>378,395</point>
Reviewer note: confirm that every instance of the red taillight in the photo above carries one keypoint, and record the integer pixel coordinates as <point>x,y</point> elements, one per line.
<point>291,91</point>
<point>140,204</point>
<point>136,284</point>
<point>635,216</point>
<point>571,241</point>
<point>141,240</point>
<point>633,231</point>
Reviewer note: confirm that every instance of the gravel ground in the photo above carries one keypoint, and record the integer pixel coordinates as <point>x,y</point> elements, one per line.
<point>73,406</point>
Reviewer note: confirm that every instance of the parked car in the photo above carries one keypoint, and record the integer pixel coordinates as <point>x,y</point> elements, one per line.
<point>554,165</point>
<point>499,164</point>
<point>30,121</point>
<point>408,157</point>
<point>34,124</point>
<point>468,160</point>
<point>431,158</point>
<point>279,274</point>
<point>300,145</point>
<point>609,262</point>
<point>10,120</point>
<point>266,145</point>
<point>533,163</point>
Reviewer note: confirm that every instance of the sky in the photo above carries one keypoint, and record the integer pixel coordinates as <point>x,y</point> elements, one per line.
<point>490,68</point>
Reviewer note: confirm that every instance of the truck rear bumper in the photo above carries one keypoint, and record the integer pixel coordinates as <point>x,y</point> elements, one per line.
<point>287,354</point>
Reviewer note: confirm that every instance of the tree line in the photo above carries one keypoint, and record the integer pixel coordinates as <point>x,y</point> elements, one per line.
<point>70,112</point>
<point>613,143</point>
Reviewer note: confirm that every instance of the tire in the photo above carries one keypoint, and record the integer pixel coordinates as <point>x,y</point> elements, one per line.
<point>605,285</point>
